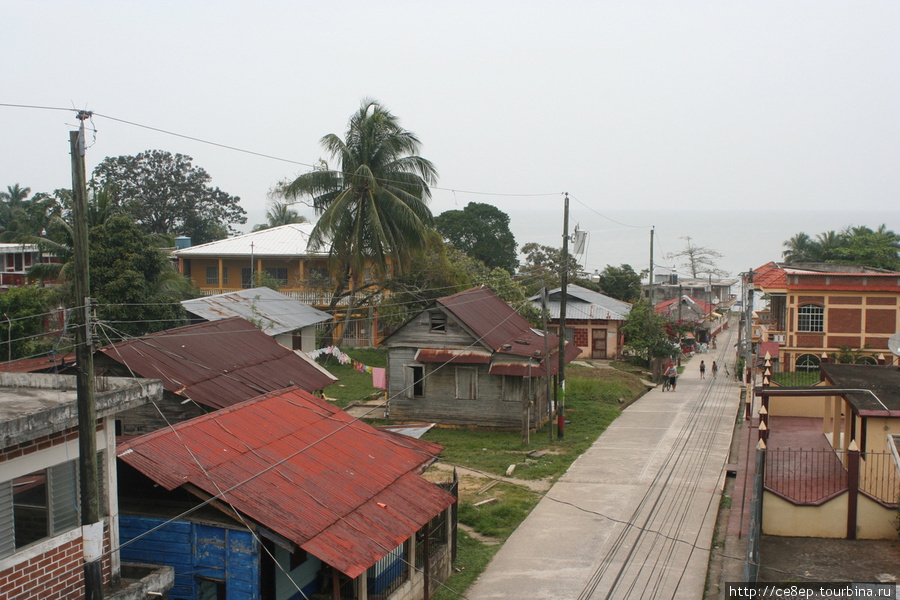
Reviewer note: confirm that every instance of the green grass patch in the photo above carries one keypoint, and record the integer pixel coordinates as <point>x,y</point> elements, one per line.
<point>592,403</point>
<point>499,519</point>
<point>471,559</point>
<point>796,378</point>
<point>353,386</point>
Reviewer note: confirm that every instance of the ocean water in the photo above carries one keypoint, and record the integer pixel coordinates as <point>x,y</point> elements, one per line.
<point>745,238</point>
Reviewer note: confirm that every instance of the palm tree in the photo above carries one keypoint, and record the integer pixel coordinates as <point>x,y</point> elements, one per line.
<point>281,213</point>
<point>374,206</point>
<point>800,248</point>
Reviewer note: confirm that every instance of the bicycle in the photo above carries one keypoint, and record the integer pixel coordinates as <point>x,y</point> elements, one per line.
<point>667,384</point>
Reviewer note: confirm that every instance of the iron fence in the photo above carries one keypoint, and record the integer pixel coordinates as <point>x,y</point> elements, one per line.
<point>805,477</point>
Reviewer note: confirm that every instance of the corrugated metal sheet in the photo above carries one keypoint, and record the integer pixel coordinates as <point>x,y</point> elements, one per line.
<point>340,489</point>
<point>449,355</point>
<point>218,363</point>
<point>40,364</point>
<point>273,311</point>
<point>585,304</point>
<point>286,240</point>
<point>514,365</point>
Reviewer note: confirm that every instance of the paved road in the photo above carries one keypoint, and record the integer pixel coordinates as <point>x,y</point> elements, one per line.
<point>633,517</point>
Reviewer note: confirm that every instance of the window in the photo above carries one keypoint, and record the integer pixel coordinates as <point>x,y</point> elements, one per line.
<point>512,388</point>
<point>318,276</point>
<point>438,321</point>
<point>224,275</point>
<point>210,589</point>
<point>866,360</point>
<point>38,505</point>
<point>466,383</point>
<point>279,274</point>
<point>212,275</point>
<point>807,363</point>
<point>811,317</point>
<point>246,277</point>
<point>415,381</point>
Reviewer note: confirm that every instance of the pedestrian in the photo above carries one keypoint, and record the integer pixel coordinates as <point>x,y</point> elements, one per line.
<point>702,370</point>
<point>672,375</point>
<point>715,369</point>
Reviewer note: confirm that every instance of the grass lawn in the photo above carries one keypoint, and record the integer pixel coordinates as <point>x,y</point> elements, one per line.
<point>353,386</point>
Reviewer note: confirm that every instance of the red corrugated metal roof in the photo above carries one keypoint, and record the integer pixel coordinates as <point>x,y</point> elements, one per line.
<point>770,347</point>
<point>338,488</point>
<point>495,323</point>
<point>217,363</point>
<point>449,355</point>
<point>35,365</point>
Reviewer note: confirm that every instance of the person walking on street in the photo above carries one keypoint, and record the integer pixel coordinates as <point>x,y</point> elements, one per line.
<point>702,370</point>
<point>672,374</point>
<point>715,369</point>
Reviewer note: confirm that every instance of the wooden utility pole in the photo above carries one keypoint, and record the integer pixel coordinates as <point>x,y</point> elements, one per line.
<point>564,289</point>
<point>547,360</point>
<point>92,527</point>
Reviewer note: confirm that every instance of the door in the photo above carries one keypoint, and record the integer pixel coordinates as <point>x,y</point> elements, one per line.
<point>598,343</point>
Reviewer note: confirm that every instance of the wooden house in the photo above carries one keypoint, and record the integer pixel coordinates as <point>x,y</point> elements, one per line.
<point>286,497</point>
<point>470,359</point>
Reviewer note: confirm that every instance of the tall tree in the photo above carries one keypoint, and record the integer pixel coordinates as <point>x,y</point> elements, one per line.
<point>699,260</point>
<point>801,248</point>
<point>166,194</point>
<point>373,207</point>
<point>543,267</point>
<point>861,245</point>
<point>482,232</point>
<point>621,282</point>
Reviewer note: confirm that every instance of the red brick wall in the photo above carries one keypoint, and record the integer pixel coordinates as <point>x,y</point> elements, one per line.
<point>876,300</point>
<point>845,300</point>
<point>881,320</point>
<point>836,341</point>
<point>55,575</point>
<point>581,337</point>
<point>844,320</point>
<point>41,443</point>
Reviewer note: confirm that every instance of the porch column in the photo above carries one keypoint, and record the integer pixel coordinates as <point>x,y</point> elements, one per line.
<point>853,489</point>
<point>848,424</point>
<point>221,275</point>
<point>836,429</point>
<point>362,586</point>
<point>827,416</point>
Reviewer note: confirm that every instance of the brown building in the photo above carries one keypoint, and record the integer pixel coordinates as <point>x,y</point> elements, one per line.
<point>845,313</point>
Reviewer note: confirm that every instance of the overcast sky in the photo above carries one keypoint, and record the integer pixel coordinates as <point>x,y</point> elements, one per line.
<point>637,105</point>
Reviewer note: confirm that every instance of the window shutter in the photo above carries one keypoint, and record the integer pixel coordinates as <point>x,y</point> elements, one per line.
<point>63,480</point>
<point>7,532</point>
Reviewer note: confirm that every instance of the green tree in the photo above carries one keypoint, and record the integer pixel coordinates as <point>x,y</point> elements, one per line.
<point>166,194</point>
<point>543,267</point>
<point>23,311</point>
<point>699,260</point>
<point>482,232</point>
<point>373,207</point>
<point>861,245</point>
<point>621,282</point>
<point>21,216</point>
<point>646,333</point>
<point>280,213</point>
<point>133,282</point>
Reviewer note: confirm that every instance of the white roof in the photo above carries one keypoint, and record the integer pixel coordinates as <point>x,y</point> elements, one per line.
<point>273,311</point>
<point>285,240</point>
<point>6,248</point>
<point>585,304</point>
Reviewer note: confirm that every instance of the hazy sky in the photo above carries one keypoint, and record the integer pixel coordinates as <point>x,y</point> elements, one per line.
<point>625,105</point>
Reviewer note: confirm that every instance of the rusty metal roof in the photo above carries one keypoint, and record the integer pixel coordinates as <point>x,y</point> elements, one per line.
<point>495,322</point>
<point>338,488</point>
<point>40,364</point>
<point>217,363</point>
<point>450,355</point>
<point>515,365</point>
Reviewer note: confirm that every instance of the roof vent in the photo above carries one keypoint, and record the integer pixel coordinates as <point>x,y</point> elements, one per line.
<point>507,346</point>
<point>523,342</point>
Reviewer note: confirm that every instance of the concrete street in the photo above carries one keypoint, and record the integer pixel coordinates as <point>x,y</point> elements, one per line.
<point>634,516</point>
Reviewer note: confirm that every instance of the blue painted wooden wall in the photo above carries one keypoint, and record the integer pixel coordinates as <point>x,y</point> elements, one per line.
<point>195,550</point>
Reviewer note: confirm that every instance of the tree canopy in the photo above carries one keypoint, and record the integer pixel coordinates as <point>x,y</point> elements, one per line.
<point>280,213</point>
<point>878,248</point>
<point>372,208</point>
<point>543,267</point>
<point>482,232</point>
<point>647,333</point>
<point>166,194</point>
<point>699,260</point>
<point>621,282</point>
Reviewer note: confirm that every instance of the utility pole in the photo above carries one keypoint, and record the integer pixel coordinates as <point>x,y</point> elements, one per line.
<point>650,298</point>
<point>564,281</point>
<point>547,361</point>
<point>92,527</point>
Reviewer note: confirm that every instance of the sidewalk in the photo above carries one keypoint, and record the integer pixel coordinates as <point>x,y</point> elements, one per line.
<point>634,515</point>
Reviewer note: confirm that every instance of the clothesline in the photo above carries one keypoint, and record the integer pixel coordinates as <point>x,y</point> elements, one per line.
<point>378,373</point>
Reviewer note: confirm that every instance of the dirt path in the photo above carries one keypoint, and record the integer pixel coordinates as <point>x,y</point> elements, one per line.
<point>535,485</point>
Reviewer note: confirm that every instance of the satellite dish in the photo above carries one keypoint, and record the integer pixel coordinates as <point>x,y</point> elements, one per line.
<point>894,344</point>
